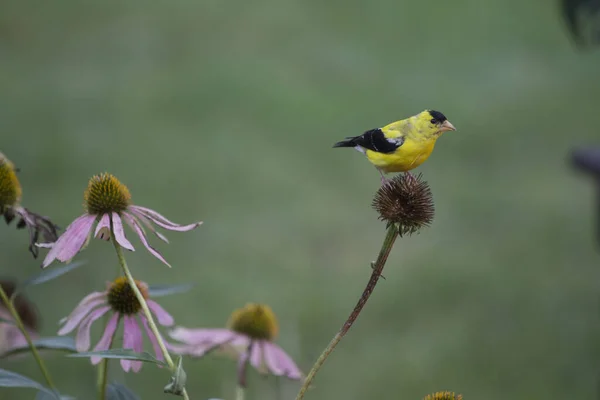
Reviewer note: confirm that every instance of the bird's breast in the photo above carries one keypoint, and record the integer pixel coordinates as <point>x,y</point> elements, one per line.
<point>408,156</point>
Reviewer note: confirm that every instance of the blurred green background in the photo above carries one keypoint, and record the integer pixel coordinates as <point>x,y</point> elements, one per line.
<point>226,112</point>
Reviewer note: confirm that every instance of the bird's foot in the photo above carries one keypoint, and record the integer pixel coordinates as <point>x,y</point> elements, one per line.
<point>384,180</point>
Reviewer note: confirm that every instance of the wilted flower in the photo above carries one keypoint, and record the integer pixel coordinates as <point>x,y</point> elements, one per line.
<point>443,396</point>
<point>405,201</point>
<point>120,301</point>
<point>108,202</point>
<point>251,331</point>
<point>10,335</point>
<point>10,207</point>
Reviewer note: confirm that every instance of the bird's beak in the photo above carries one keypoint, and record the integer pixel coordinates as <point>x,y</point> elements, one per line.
<point>447,126</point>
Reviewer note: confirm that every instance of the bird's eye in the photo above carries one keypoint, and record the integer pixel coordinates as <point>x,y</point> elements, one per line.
<point>433,121</point>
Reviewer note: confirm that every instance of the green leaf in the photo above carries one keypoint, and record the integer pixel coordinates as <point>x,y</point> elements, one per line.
<point>63,343</point>
<point>165,290</point>
<point>123,354</point>
<point>7,321</point>
<point>47,275</point>
<point>46,396</point>
<point>12,379</point>
<point>118,391</point>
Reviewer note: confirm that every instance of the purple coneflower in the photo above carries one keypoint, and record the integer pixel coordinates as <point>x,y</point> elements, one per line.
<point>108,202</point>
<point>251,331</point>
<point>10,335</point>
<point>119,300</point>
<point>10,207</point>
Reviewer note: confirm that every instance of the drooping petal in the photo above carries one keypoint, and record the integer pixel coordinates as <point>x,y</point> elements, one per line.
<point>138,343</point>
<point>199,336</point>
<point>84,307</point>
<point>160,220</point>
<point>243,365</point>
<point>120,233</point>
<point>128,339</point>
<point>72,241</point>
<point>256,355</point>
<point>138,229</point>
<point>82,340</point>
<point>279,363</point>
<point>107,337</point>
<point>103,228</point>
<point>153,340</point>
<point>163,317</point>
<point>148,225</point>
<point>11,337</point>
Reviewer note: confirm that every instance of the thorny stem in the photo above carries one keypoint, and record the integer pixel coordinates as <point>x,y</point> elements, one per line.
<point>146,310</point>
<point>17,319</point>
<point>386,248</point>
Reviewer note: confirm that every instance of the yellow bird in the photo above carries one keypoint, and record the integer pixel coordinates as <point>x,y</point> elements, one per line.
<point>402,145</point>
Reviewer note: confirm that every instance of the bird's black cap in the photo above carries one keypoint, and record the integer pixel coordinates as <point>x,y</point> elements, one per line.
<point>438,116</point>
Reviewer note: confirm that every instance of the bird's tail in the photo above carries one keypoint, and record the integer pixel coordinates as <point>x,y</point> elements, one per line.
<point>348,142</point>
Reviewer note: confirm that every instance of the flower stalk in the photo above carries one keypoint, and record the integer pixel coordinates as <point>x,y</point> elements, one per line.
<point>145,309</point>
<point>239,393</point>
<point>102,378</point>
<point>378,265</point>
<point>19,322</point>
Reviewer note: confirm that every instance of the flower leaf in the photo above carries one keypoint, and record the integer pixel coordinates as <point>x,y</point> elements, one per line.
<point>47,275</point>
<point>165,290</point>
<point>123,354</point>
<point>46,396</point>
<point>6,321</point>
<point>118,391</point>
<point>12,379</point>
<point>63,343</point>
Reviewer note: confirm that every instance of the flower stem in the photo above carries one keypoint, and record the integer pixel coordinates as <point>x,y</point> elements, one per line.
<point>17,319</point>
<point>386,248</point>
<point>239,393</point>
<point>146,310</point>
<point>102,378</point>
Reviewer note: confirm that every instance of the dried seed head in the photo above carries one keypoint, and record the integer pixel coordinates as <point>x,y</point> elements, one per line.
<point>25,309</point>
<point>121,296</point>
<point>10,188</point>
<point>405,201</point>
<point>10,197</point>
<point>256,321</point>
<point>106,194</point>
<point>443,396</point>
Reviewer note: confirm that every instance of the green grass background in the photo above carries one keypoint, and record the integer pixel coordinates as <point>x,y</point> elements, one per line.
<point>226,111</point>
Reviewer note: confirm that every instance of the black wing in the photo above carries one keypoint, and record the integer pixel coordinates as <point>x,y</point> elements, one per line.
<point>375,140</point>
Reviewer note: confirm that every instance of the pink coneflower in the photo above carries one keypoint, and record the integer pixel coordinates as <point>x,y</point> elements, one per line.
<point>251,332</point>
<point>120,301</point>
<point>10,335</point>
<point>107,202</point>
<point>10,207</point>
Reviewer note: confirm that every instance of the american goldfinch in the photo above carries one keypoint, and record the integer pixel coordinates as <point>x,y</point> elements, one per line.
<point>402,145</point>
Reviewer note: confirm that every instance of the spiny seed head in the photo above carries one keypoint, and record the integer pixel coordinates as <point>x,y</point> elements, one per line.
<point>443,396</point>
<point>405,201</point>
<point>10,188</point>
<point>121,297</point>
<point>106,194</point>
<point>256,321</point>
<point>25,309</point>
